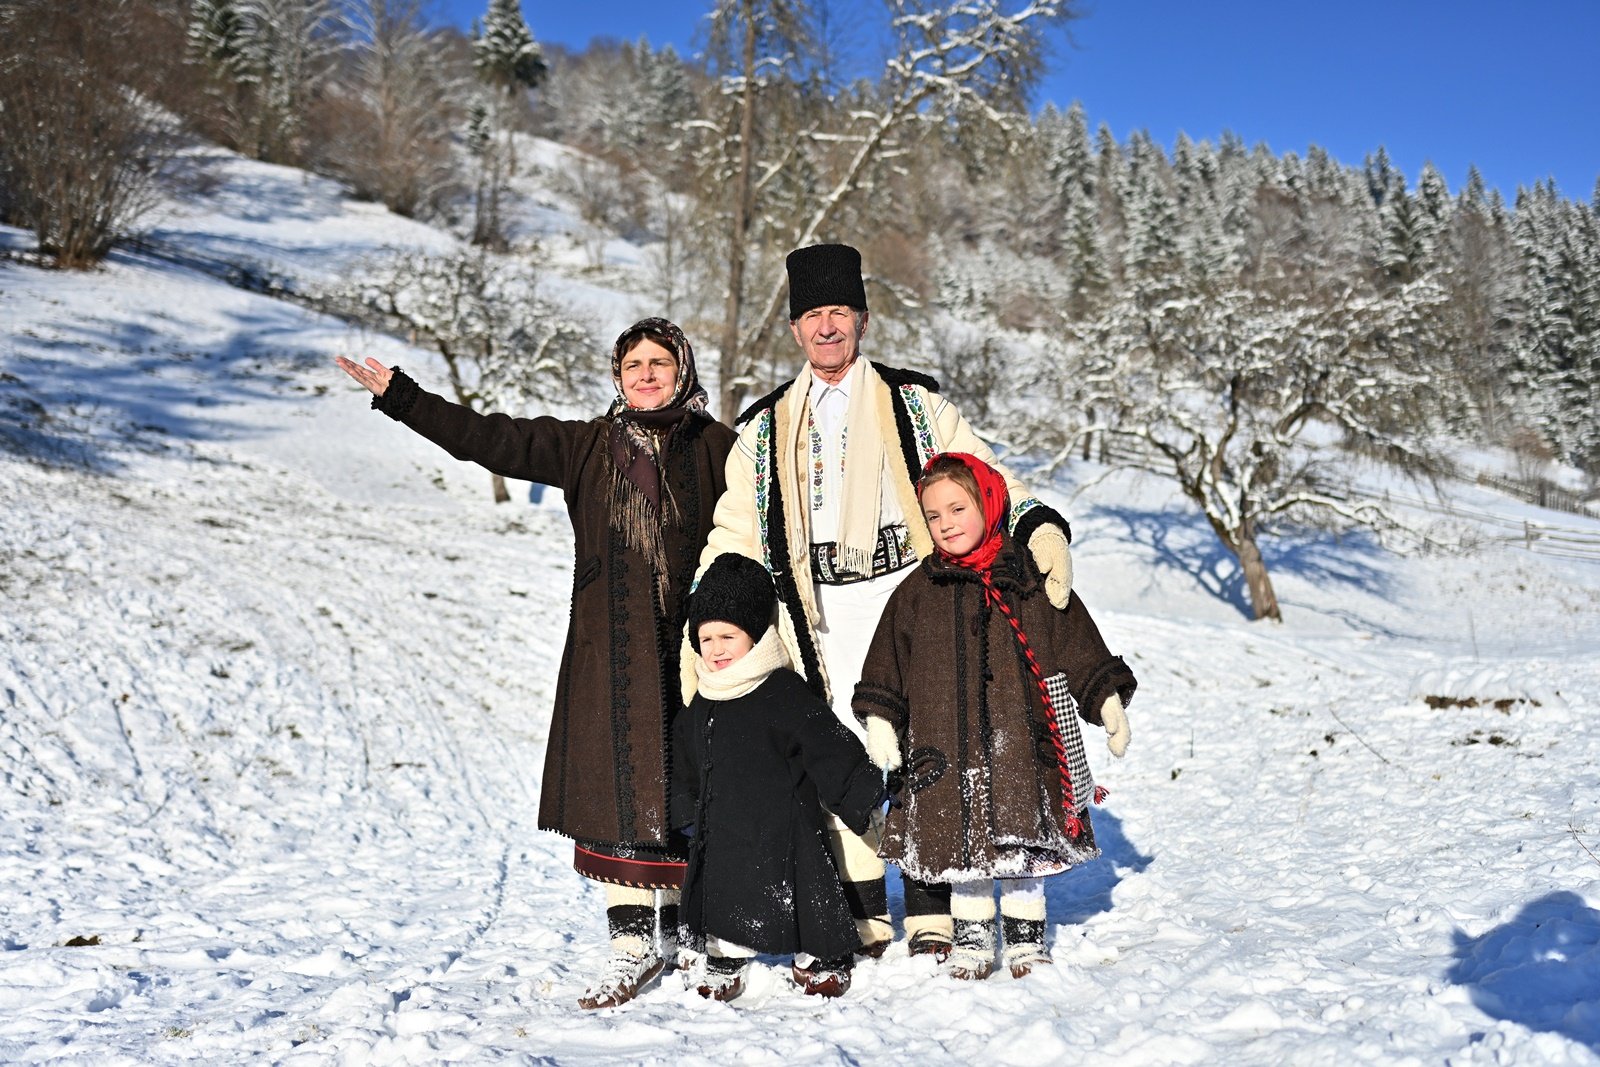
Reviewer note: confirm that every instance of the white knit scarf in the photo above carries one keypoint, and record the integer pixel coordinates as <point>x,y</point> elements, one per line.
<point>747,672</point>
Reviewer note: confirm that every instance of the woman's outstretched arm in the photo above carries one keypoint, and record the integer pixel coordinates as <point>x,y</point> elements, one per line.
<point>539,450</point>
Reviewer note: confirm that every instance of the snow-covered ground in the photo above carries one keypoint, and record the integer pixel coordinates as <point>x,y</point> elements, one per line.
<point>275,678</point>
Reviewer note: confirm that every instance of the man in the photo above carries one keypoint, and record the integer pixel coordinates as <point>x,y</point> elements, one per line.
<point>821,490</point>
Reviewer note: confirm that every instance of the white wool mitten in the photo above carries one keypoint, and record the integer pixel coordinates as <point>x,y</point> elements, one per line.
<point>1048,546</point>
<point>883,747</point>
<point>1116,722</point>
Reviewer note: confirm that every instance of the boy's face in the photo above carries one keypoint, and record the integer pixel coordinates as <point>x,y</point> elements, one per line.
<point>722,642</point>
<point>954,519</point>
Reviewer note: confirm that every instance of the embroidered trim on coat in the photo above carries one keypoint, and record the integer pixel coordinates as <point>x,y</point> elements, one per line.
<point>763,479</point>
<point>921,424</point>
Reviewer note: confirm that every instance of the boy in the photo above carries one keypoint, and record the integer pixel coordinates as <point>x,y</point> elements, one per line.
<point>756,758</point>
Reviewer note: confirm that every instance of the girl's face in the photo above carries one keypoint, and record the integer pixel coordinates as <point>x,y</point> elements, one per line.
<point>954,519</point>
<point>649,375</point>
<point>722,642</point>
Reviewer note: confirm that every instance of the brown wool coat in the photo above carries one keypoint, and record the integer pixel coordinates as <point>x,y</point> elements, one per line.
<point>607,765</point>
<point>982,793</point>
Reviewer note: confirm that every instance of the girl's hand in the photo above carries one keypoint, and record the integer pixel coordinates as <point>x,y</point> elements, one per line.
<point>1116,722</point>
<point>375,376</point>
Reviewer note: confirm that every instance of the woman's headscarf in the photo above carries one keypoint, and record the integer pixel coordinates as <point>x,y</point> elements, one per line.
<point>640,500</point>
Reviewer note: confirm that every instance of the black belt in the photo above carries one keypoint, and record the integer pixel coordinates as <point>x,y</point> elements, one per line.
<point>892,552</point>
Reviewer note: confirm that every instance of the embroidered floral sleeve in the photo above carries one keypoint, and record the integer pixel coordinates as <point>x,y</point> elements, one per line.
<point>955,435</point>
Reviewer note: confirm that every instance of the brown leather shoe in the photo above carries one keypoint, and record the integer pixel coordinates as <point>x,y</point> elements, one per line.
<point>874,950</point>
<point>929,945</point>
<point>821,980</point>
<point>1022,959</point>
<point>968,968</point>
<point>623,978</point>
<point>724,988</point>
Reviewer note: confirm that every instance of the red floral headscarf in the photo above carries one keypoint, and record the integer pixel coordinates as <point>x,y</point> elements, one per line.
<point>993,498</point>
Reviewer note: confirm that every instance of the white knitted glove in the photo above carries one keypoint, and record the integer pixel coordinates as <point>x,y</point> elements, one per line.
<point>1048,546</point>
<point>883,747</point>
<point>1116,721</point>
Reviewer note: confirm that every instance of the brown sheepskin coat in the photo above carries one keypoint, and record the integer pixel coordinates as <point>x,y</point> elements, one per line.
<point>606,770</point>
<point>982,793</point>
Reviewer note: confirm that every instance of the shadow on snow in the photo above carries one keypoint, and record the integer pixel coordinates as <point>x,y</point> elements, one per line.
<point>1181,540</point>
<point>149,384</point>
<point>1074,896</point>
<point>1540,969</point>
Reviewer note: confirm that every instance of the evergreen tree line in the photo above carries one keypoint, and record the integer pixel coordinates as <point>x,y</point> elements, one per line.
<point>1472,318</point>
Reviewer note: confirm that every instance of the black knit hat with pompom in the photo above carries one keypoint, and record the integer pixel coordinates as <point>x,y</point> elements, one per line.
<point>733,589</point>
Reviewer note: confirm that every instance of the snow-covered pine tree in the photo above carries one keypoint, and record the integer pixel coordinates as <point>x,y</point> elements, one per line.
<point>508,62</point>
<point>269,59</point>
<point>504,53</point>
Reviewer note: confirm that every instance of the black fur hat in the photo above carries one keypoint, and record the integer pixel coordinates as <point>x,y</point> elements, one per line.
<point>733,589</point>
<point>824,276</point>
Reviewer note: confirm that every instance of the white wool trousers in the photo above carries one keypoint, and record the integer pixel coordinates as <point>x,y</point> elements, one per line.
<point>847,620</point>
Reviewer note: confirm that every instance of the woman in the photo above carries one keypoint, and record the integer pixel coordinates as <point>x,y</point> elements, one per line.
<point>641,483</point>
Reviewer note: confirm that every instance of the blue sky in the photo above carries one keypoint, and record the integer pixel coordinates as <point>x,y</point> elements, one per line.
<point>1514,88</point>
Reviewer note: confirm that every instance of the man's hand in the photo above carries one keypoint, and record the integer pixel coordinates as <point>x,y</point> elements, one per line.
<point>883,747</point>
<point>1116,722</point>
<point>374,376</point>
<point>1048,546</point>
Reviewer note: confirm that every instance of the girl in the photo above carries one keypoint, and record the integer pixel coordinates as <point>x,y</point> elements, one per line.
<point>756,756</point>
<point>970,686</point>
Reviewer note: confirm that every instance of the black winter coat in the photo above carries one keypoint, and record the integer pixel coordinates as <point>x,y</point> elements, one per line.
<point>752,775</point>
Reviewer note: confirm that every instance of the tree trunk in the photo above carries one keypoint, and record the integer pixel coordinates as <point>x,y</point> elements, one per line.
<point>1262,597</point>
<point>501,493</point>
<point>730,392</point>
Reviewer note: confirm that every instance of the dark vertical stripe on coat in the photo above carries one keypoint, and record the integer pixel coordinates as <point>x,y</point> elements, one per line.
<point>621,747</point>
<point>906,433</point>
<point>985,719</point>
<point>964,726</point>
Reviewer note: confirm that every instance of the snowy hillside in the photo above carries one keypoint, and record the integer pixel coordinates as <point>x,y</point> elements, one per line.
<point>275,678</point>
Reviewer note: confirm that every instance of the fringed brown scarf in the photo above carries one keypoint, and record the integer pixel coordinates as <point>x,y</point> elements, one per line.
<point>641,499</point>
